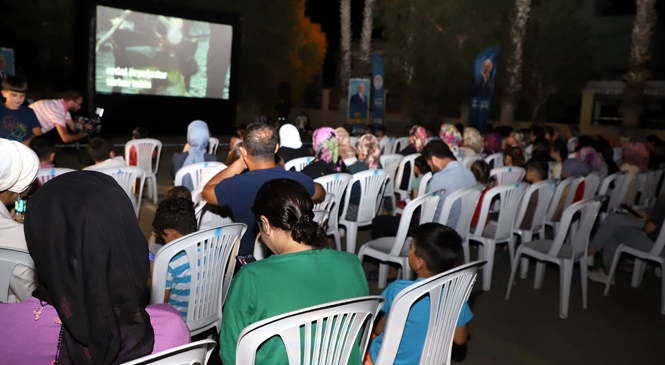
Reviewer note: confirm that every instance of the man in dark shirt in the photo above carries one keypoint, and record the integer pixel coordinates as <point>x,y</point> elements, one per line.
<point>17,122</point>
<point>236,189</point>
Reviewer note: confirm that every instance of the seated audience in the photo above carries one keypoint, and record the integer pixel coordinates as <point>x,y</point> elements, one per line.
<point>417,140</point>
<point>326,151</point>
<point>635,157</point>
<point>492,143</point>
<point>540,150</point>
<point>481,171</point>
<point>90,306</point>
<point>369,129</point>
<point>19,123</point>
<point>18,169</point>
<point>572,136</point>
<point>558,153</point>
<point>435,249</point>
<point>589,155</point>
<point>195,151</point>
<point>656,151</point>
<point>513,156</point>
<point>345,148</point>
<point>101,151</point>
<point>290,145</point>
<point>572,167</point>
<point>608,166</point>
<point>384,140</point>
<point>302,273</point>
<point>420,168</point>
<point>452,137</point>
<point>369,156</point>
<point>515,139</point>
<point>536,171</point>
<point>473,141</point>
<point>139,132</point>
<point>45,151</point>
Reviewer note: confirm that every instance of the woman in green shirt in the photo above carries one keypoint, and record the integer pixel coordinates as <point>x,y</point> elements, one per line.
<point>302,273</point>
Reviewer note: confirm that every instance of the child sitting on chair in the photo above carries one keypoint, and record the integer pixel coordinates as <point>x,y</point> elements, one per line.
<point>435,248</point>
<point>420,168</point>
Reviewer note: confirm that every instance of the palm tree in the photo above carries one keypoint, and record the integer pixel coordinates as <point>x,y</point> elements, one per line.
<point>366,40</point>
<point>345,45</point>
<point>514,67</point>
<point>633,94</point>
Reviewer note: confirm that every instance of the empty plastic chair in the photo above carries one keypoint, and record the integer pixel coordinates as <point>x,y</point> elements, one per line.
<point>399,144</point>
<point>495,160</point>
<point>146,148</point>
<point>194,172</point>
<point>131,179</point>
<point>190,354</point>
<point>335,184</point>
<point>465,201</point>
<point>9,258</point>
<point>390,163</point>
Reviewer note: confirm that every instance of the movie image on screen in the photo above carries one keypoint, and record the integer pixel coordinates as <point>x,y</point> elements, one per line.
<point>149,54</point>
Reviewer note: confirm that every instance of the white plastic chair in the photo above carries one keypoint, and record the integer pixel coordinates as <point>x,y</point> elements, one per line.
<point>467,161</point>
<point>372,183</point>
<point>329,332</point>
<point>390,163</point>
<point>9,258</point>
<point>44,175</point>
<point>447,293</point>
<point>209,255</point>
<point>395,249</point>
<point>213,143</point>
<point>298,163</point>
<point>424,184</point>
<point>127,178</point>
<point>495,160</point>
<point>322,210</point>
<point>195,353</point>
<point>353,141</point>
<point>145,149</point>
<point>407,160</point>
<point>194,172</point>
<point>467,200</point>
<point>654,255</point>
<point>591,184</point>
<point>508,175</point>
<point>490,234</point>
<point>335,184</point>
<point>559,252</point>
<point>386,145</point>
<point>615,194</point>
<point>350,161</point>
<point>399,144</point>
<point>572,183</point>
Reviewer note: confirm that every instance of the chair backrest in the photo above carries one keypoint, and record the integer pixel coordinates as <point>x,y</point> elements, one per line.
<point>544,191</point>
<point>509,201</point>
<point>327,203</point>
<point>320,217</point>
<point>391,163</point>
<point>618,192</point>
<point>399,144</point>
<point>424,184</point>
<point>127,177</point>
<point>447,293</point>
<point>429,202</point>
<point>209,255</point>
<point>508,175</point>
<point>607,181</point>
<point>213,143</point>
<point>656,176</point>
<point>298,163</point>
<point>329,332</point>
<point>628,188</point>
<point>194,172</point>
<point>591,184</point>
<point>9,258</point>
<point>468,199</point>
<point>44,175</point>
<point>386,145</point>
<point>399,175</point>
<point>195,353</point>
<point>335,184</point>
<point>495,160</point>
<point>467,161</point>
<point>558,194</point>
<point>145,149</point>
<point>372,184</point>
<point>579,231</point>
<point>353,141</point>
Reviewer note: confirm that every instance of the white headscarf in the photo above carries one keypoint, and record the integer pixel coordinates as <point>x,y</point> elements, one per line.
<point>198,136</point>
<point>18,166</point>
<point>289,136</point>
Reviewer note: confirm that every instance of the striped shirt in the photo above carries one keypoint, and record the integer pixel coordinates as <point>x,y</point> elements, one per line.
<point>51,113</point>
<point>178,280</point>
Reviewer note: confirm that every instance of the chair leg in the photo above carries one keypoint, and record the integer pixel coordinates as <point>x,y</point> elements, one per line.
<point>383,275</point>
<point>540,274</point>
<point>662,290</point>
<point>513,272</point>
<point>351,232</point>
<point>338,240</point>
<point>465,248</point>
<point>489,248</point>
<point>613,268</point>
<point>511,251</point>
<point>638,272</point>
<point>564,288</point>
<point>524,267</point>
<point>583,278</point>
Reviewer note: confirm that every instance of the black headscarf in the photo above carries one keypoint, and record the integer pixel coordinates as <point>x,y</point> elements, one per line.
<point>92,260</point>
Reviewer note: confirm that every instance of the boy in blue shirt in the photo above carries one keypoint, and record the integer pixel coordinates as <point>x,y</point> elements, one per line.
<point>17,122</point>
<point>435,248</point>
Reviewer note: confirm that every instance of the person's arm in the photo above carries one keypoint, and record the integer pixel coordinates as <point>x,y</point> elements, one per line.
<point>319,193</point>
<point>167,294</point>
<point>236,168</point>
<point>461,335</point>
<point>37,131</point>
<point>68,137</point>
<point>380,324</point>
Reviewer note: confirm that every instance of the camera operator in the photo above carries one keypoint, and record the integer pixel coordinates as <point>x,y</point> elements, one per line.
<point>55,113</point>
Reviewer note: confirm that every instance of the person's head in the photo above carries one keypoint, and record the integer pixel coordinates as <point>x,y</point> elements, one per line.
<point>174,218</point>
<point>607,154</point>
<point>573,131</point>
<point>417,137</point>
<point>283,210</point>
<point>513,156</point>
<point>361,88</point>
<point>93,266</point>
<point>100,149</point>
<point>18,169</point>
<point>420,166</point>
<point>289,136</point>
<point>541,149</point>
<point>260,142</point>
<point>452,137</point>
<point>326,145</point>
<point>435,248</point>
<point>343,136</point>
<point>536,171</point>
<point>44,149</point>
<point>198,137</point>
<point>73,100</point>
<point>140,132</point>
<point>536,132</point>
<point>473,139</point>
<point>438,155</point>
<point>348,127</point>
<point>481,171</point>
<point>575,167</point>
<point>380,131</point>
<point>369,129</point>
<point>653,142</point>
<point>369,150</point>
<point>559,151</point>
<point>487,67</point>
<point>240,130</point>
<point>515,139</point>
<point>493,143</point>
<point>585,141</point>
<point>13,90</point>
<point>460,128</point>
<point>549,132</point>
<point>635,154</point>
<point>179,191</point>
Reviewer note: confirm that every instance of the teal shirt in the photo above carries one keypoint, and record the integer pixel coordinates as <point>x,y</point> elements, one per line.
<point>284,283</point>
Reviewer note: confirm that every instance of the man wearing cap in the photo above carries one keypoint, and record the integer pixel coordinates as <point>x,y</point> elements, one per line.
<point>18,169</point>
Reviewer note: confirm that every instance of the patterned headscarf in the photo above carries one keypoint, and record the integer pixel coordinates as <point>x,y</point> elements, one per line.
<point>326,146</point>
<point>368,145</point>
<point>473,139</point>
<point>576,167</point>
<point>492,143</point>
<point>452,137</point>
<point>590,156</point>
<point>636,154</point>
<point>418,137</point>
<point>345,148</point>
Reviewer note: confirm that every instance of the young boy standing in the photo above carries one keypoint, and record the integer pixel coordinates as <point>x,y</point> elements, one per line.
<point>17,122</point>
<point>435,248</point>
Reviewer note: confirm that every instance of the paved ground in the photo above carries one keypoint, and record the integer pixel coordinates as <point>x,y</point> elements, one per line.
<point>625,327</point>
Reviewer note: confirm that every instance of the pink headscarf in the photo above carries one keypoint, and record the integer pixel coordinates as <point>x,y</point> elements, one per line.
<point>452,137</point>
<point>368,145</point>
<point>418,137</point>
<point>326,146</point>
<point>590,156</point>
<point>636,154</point>
<point>345,148</point>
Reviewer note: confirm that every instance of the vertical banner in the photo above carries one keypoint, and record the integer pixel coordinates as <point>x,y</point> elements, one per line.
<point>358,100</point>
<point>378,102</point>
<point>6,63</point>
<point>483,87</point>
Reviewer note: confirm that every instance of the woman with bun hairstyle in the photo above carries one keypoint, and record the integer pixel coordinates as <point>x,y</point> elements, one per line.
<point>303,272</point>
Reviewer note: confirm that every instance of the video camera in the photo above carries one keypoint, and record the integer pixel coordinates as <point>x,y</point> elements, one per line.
<point>95,122</point>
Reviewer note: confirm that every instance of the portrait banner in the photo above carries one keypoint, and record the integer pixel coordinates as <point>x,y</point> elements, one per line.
<point>483,87</point>
<point>7,67</point>
<point>358,100</point>
<point>378,101</point>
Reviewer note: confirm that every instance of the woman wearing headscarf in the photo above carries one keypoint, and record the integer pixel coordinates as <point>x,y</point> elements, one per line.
<point>345,148</point>
<point>369,158</point>
<point>635,157</point>
<point>493,143</point>
<point>452,137</point>
<point>326,150</point>
<point>198,136</point>
<point>417,141</point>
<point>591,157</point>
<point>290,145</point>
<point>473,141</point>
<point>90,306</point>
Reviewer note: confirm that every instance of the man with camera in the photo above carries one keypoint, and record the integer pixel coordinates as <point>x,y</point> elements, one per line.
<point>55,113</point>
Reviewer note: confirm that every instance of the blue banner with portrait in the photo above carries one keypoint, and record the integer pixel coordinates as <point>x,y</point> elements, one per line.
<point>6,63</point>
<point>358,100</point>
<point>484,73</point>
<point>378,102</point>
